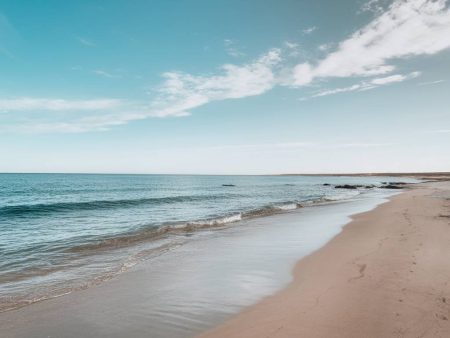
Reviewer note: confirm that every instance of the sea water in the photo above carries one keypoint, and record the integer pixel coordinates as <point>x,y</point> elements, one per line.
<point>63,232</point>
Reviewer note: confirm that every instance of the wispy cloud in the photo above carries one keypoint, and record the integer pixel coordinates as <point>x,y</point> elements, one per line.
<point>291,45</point>
<point>394,78</point>
<point>407,28</point>
<point>431,82</point>
<point>232,49</point>
<point>367,85</point>
<point>390,79</point>
<point>85,42</point>
<point>373,6</point>
<point>104,73</point>
<point>352,88</point>
<point>325,47</point>
<point>48,104</point>
<point>309,30</point>
<point>181,92</point>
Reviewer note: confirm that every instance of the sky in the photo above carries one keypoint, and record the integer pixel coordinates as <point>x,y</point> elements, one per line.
<point>225,86</point>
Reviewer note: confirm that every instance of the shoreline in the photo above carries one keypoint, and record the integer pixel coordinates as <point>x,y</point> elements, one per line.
<point>150,297</point>
<point>384,275</point>
<point>160,238</point>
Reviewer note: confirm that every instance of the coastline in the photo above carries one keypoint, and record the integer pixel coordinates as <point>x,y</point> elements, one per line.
<point>182,290</point>
<point>385,275</point>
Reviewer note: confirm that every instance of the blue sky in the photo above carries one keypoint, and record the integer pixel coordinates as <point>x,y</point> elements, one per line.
<point>224,87</point>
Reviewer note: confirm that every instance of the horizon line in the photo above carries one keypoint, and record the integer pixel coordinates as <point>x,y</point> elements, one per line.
<point>415,173</point>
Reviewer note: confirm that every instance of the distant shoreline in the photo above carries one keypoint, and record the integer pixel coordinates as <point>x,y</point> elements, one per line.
<point>424,175</point>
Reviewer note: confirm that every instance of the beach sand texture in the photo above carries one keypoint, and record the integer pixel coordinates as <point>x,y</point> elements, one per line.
<point>386,275</point>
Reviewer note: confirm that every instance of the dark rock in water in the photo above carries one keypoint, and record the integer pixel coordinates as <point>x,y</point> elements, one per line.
<point>228,185</point>
<point>391,186</point>
<point>369,186</point>
<point>326,184</point>
<point>394,183</point>
<point>348,186</point>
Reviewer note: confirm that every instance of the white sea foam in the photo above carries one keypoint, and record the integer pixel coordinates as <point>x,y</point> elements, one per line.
<point>289,206</point>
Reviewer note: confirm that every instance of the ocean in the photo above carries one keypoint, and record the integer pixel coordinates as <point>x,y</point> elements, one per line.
<point>64,232</point>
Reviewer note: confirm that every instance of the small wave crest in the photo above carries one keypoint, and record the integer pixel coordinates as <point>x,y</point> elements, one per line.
<point>44,209</point>
<point>150,233</point>
<point>289,206</point>
<point>156,232</point>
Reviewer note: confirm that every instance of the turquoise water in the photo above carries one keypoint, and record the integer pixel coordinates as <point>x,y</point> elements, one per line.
<point>60,232</point>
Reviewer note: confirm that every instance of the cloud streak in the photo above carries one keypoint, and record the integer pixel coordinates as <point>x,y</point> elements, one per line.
<point>367,85</point>
<point>431,82</point>
<point>104,73</point>
<point>48,104</point>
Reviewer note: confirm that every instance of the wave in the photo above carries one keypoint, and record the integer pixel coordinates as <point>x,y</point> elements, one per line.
<point>46,208</point>
<point>156,232</point>
<point>289,206</point>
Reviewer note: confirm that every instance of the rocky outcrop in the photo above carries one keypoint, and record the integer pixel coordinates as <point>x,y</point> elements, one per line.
<point>348,186</point>
<point>391,186</point>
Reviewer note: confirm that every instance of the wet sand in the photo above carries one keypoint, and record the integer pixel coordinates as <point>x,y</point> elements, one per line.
<point>387,274</point>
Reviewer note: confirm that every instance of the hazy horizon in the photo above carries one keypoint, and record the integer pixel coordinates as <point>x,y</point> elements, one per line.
<point>225,87</point>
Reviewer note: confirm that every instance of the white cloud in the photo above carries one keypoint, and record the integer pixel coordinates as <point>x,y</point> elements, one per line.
<point>303,74</point>
<point>352,88</point>
<point>309,30</point>
<point>431,82</point>
<point>388,79</point>
<point>394,78</point>
<point>374,6</point>
<point>181,92</point>
<point>105,74</point>
<point>367,85</point>
<point>291,45</point>
<point>28,103</point>
<point>407,28</point>
<point>325,47</point>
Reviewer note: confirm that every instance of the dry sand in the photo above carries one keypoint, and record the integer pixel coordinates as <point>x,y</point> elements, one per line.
<point>386,274</point>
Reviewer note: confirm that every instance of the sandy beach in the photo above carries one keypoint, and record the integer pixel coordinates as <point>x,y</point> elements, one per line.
<point>385,275</point>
